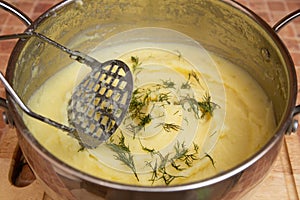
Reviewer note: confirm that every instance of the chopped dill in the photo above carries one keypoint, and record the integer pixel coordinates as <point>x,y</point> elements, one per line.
<point>167,177</point>
<point>175,113</point>
<point>168,84</point>
<point>137,103</point>
<point>206,106</point>
<point>211,159</point>
<point>195,76</point>
<point>168,127</point>
<point>182,156</point>
<point>133,129</point>
<point>123,153</point>
<point>135,63</point>
<point>145,120</point>
<point>122,143</point>
<point>186,85</point>
<point>154,168</point>
<point>164,97</point>
<point>183,153</point>
<point>159,171</point>
<point>193,105</point>
<point>140,101</point>
<point>142,98</point>
<point>152,151</point>
<point>163,167</point>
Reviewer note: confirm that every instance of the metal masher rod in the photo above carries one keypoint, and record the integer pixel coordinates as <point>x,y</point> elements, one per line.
<point>76,55</point>
<point>18,100</point>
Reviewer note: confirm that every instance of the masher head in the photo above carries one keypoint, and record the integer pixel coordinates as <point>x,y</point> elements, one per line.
<point>99,103</point>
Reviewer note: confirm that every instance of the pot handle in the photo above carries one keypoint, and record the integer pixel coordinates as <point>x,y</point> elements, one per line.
<point>27,21</point>
<point>15,11</point>
<point>277,27</point>
<point>285,20</point>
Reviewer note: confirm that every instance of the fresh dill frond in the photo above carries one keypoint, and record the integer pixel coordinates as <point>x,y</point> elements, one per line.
<point>137,103</point>
<point>140,101</point>
<point>159,171</point>
<point>152,151</point>
<point>163,160</point>
<point>167,177</point>
<point>135,63</point>
<point>184,154</point>
<point>144,120</point>
<point>193,105</point>
<point>176,166</point>
<point>180,160</point>
<point>123,153</point>
<point>195,76</point>
<point>133,129</point>
<point>122,143</point>
<point>154,175</point>
<point>207,106</point>
<point>186,85</point>
<point>164,97</point>
<point>170,126</point>
<point>211,159</point>
<point>168,84</point>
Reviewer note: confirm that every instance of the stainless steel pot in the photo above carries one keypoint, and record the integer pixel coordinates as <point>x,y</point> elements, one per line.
<point>224,27</point>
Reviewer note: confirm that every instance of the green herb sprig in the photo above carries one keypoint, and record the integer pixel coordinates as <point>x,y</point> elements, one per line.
<point>159,171</point>
<point>211,159</point>
<point>152,151</point>
<point>206,106</point>
<point>182,154</point>
<point>170,126</point>
<point>140,101</point>
<point>123,153</point>
<point>135,64</point>
<point>168,84</point>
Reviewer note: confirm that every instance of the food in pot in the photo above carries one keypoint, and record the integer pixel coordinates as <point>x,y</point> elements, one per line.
<point>192,115</point>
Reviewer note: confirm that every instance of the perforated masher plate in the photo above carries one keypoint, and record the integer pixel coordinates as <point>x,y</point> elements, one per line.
<point>99,103</point>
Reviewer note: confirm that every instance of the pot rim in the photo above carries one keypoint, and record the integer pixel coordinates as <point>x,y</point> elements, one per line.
<point>77,174</point>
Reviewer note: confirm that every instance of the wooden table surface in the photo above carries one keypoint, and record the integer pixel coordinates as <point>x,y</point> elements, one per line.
<point>283,183</point>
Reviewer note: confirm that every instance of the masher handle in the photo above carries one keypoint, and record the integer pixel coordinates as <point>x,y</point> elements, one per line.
<point>75,55</point>
<point>29,112</point>
<point>80,57</point>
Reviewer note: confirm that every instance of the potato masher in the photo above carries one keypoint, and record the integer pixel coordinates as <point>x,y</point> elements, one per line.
<point>98,103</point>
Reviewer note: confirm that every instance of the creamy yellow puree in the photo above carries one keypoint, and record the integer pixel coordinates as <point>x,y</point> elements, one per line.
<point>241,123</point>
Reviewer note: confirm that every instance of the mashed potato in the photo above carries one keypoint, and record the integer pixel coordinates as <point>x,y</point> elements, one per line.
<point>192,115</point>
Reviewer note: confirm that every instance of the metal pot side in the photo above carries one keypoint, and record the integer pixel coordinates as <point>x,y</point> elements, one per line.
<point>223,27</point>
